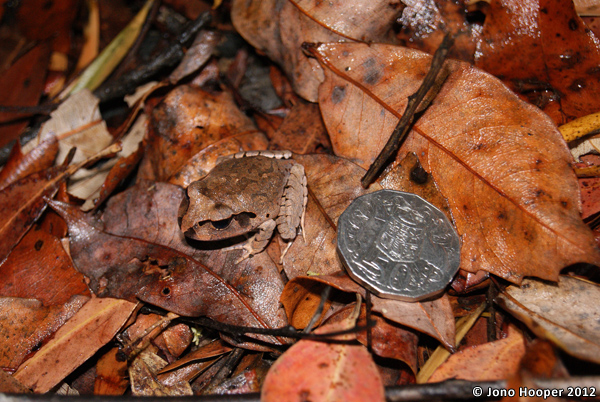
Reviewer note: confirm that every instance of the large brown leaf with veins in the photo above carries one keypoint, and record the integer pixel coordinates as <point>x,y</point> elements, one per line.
<point>130,268</point>
<point>279,27</point>
<point>500,162</point>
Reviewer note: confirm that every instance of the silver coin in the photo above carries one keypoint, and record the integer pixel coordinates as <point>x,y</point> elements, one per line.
<point>398,245</point>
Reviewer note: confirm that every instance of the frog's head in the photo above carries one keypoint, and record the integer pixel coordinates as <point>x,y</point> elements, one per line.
<point>203,218</point>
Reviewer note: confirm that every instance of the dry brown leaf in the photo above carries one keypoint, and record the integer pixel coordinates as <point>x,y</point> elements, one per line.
<point>138,211</point>
<point>22,85</point>
<point>388,339</point>
<point>76,123</point>
<point>40,268</point>
<point>142,373</point>
<point>323,371</point>
<point>567,314</point>
<point>266,25</point>
<point>26,323</point>
<point>490,361</point>
<point>20,165</point>
<point>301,296</point>
<point>197,55</point>
<point>302,131</point>
<point>188,121</point>
<point>501,163</point>
<point>22,203</point>
<point>8,385</point>
<point>111,374</point>
<point>92,327</point>
<point>133,269</point>
<point>333,183</point>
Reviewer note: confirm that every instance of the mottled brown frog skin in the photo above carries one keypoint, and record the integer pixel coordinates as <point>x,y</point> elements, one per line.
<point>246,194</point>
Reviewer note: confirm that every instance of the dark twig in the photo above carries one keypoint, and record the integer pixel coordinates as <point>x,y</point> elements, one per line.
<point>405,122</point>
<point>128,82</point>
<point>491,322</point>
<point>44,108</point>
<point>230,363</point>
<point>319,311</point>
<point>368,307</point>
<point>285,332</point>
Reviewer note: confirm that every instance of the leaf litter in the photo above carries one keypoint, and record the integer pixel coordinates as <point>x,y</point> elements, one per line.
<point>497,166</point>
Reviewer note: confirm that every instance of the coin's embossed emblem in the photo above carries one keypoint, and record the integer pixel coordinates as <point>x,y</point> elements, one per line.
<point>398,245</point>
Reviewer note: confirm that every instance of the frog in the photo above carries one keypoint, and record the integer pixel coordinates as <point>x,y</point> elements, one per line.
<point>248,194</point>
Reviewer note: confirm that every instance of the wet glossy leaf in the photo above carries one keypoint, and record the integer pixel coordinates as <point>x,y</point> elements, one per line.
<point>560,64</point>
<point>506,174</point>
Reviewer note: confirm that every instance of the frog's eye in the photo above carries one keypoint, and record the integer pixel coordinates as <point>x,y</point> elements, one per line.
<point>222,224</point>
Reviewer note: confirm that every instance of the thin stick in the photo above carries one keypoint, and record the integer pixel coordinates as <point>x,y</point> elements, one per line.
<point>319,311</point>
<point>404,124</point>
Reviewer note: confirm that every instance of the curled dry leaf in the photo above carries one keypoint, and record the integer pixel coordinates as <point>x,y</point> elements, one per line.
<point>555,69</point>
<point>490,361</point>
<point>40,268</point>
<point>189,121</point>
<point>93,326</point>
<point>323,371</point>
<point>266,25</point>
<point>76,123</point>
<point>134,269</point>
<point>502,164</point>
<point>25,323</point>
<point>301,296</point>
<point>567,314</point>
<point>197,55</point>
<point>140,210</point>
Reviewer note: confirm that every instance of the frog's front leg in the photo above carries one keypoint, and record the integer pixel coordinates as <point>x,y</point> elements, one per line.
<point>258,242</point>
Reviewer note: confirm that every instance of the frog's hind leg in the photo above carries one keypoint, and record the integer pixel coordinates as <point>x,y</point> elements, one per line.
<point>258,242</point>
<point>293,206</point>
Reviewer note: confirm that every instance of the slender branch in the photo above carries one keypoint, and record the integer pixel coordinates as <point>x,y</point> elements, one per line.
<point>403,126</point>
<point>319,311</point>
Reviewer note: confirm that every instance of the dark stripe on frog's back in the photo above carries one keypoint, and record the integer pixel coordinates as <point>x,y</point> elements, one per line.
<point>250,183</point>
